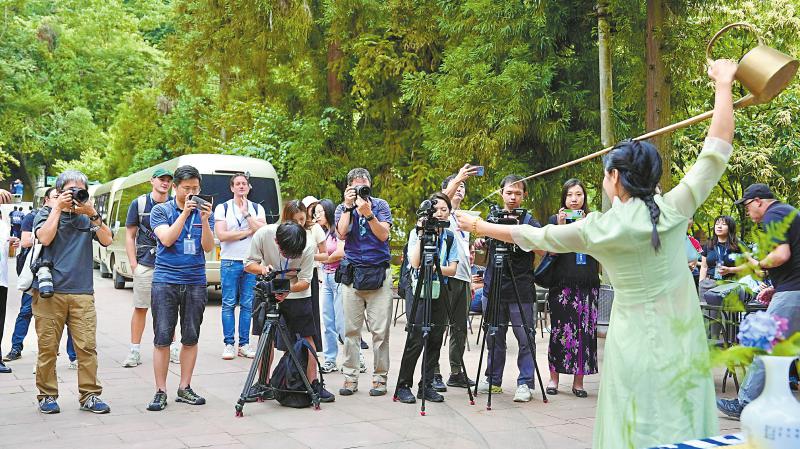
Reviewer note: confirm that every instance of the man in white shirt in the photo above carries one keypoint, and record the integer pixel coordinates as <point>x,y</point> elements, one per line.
<point>236,220</point>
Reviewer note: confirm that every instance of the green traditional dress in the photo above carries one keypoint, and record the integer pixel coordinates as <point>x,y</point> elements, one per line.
<point>656,387</point>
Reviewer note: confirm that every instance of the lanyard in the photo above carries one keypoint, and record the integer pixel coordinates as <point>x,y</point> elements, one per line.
<point>191,223</point>
<point>463,234</point>
<point>284,268</point>
<point>722,256</point>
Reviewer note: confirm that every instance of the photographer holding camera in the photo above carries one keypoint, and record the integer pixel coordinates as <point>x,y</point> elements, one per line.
<point>513,191</point>
<point>64,289</point>
<point>285,247</point>
<point>364,222</point>
<point>185,232</point>
<point>436,210</point>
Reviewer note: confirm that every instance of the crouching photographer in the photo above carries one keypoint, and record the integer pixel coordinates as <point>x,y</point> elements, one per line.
<point>64,290</point>
<point>285,248</point>
<point>431,232</point>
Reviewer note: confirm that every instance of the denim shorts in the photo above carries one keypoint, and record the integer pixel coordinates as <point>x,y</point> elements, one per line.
<point>298,316</point>
<point>172,300</point>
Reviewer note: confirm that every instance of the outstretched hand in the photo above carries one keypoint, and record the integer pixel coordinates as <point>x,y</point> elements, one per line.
<point>723,70</point>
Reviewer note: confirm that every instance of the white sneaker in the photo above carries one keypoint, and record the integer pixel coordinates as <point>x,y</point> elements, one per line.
<point>362,363</point>
<point>523,393</point>
<point>246,351</point>
<point>73,364</point>
<point>175,354</point>
<point>329,367</point>
<point>483,387</point>
<point>228,353</point>
<point>134,359</point>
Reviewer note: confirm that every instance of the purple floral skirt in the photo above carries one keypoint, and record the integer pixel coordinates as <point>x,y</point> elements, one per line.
<point>573,335</point>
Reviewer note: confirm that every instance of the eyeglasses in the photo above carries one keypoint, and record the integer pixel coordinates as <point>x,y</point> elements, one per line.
<point>747,203</point>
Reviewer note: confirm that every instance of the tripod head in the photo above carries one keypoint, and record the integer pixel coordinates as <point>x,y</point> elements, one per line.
<point>504,217</point>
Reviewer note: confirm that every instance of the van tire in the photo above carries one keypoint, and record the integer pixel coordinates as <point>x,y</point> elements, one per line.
<point>119,281</point>
<point>104,272</point>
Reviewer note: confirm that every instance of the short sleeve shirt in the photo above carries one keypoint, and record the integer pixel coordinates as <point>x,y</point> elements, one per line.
<point>264,250</point>
<point>70,251</point>
<point>27,222</point>
<point>446,256</point>
<point>172,265</point>
<point>235,221</point>
<point>145,239</point>
<point>787,276</point>
<point>462,247</point>
<point>361,246</point>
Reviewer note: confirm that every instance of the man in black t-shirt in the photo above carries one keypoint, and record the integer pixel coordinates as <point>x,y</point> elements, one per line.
<point>783,265</point>
<point>140,246</point>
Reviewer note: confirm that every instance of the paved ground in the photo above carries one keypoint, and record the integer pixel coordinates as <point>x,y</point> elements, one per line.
<point>355,422</point>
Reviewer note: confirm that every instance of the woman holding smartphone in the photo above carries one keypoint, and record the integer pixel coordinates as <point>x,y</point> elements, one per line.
<point>573,302</point>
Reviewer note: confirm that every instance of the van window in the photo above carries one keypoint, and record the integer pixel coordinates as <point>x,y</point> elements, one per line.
<point>263,192</point>
<point>101,205</point>
<point>130,194</point>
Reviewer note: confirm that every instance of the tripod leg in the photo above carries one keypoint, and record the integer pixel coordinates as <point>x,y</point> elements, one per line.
<point>530,334</point>
<point>264,342</point>
<point>282,334</point>
<point>411,316</point>
<point>452,302</point>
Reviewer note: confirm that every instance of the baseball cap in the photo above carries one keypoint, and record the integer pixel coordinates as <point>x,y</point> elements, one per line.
<point>159,172</point>
<point>309,200</point>
<point>755,191</point>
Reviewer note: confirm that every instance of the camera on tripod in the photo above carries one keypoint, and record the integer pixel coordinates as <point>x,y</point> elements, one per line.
<point>504,217</point>
<point>429,223</point>
<point>42,269</point>
<point>264,301</point>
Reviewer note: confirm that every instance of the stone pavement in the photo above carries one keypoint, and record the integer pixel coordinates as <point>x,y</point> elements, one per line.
<point>358,421</point>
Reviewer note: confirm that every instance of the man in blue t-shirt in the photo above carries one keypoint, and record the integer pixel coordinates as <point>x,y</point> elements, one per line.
<point>364,222</point>
<point>184,234</point>
<point>783,266</point>
<point>140,246</point>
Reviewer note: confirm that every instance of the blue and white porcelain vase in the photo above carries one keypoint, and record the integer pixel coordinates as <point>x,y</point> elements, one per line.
<point>772,420</point>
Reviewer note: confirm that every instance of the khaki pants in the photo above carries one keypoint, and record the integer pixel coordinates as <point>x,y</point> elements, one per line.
<point>376,307</point>
<point>77,312</point>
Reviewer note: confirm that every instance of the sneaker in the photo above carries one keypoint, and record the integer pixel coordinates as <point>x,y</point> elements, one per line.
<point>362,363</point>
<point>730,407</point>
<point>523,393</point>
<point>257,391</point>
<point>188,396</point>
<point>438,383</point>
<point>349,388</point>
<point>175,354</point>
<point>460,380</point>
<point>483,387</point>
<point>48,405</point>
<point>246,351</point>
<point>364,344</point>
<point>73,365</point>
<point>13,354</point>
<point>228,353</point>
<point>329,367</point>
<point>324,395</point>
<point>134,359</point>
<point>378,388</point>
<point>404,395</point>
<point>430,393</point>
<point>4,369</point>
<point>95,405</point>
<point>159,402</point>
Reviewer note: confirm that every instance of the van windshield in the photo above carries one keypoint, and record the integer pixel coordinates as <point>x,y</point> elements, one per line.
<point>263,192</point>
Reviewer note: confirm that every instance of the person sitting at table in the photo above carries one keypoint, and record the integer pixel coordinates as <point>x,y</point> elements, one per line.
<point>719,255</point>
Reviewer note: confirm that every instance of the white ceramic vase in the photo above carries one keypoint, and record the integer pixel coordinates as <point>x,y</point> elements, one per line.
<point>772,421</point>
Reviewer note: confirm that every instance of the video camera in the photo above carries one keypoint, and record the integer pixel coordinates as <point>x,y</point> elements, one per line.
<point>429,223</point>
<point>265,304</point>
<point>504,217</point>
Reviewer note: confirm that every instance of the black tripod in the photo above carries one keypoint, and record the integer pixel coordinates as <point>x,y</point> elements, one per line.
<point>268,312</point>
<point>491,324</point>
<point>423,293</point>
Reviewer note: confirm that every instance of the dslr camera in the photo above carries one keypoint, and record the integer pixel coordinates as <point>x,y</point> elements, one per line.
<point>42,269</point>
<point>363,192</point>
<point>79,196</point>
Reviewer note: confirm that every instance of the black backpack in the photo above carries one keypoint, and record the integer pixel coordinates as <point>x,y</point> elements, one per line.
<point>287,381</point>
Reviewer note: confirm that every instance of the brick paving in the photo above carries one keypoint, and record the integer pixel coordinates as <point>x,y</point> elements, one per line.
<point>358,421</point>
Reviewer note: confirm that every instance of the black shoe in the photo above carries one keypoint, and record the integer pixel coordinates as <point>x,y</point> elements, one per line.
<point>460,380</point>
<point>259,391</point>
<point>438,383</point>
<point>730,407</point>
<point>12,355</point>
<point>4,369</point>
<point>404,395</point>
<point>431,394</point>
<point>324,395</point>
<point>159,402</point>
<point>364,345</point>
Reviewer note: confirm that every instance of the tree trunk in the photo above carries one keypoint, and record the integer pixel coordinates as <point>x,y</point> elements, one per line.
<point>606,85</point>
<point>334,83</point>
<point>658,88</point>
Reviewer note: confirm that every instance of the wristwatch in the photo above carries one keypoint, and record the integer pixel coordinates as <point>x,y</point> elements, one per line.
<point>94,217</point>
<point>246,216</point>
<point>369,217</point>
<point>350,209</point>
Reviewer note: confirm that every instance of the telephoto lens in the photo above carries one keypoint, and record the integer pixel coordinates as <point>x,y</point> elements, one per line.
<point>363,191</point>
<point>45,282</point>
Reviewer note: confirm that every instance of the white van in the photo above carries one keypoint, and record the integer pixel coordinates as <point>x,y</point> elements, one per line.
<point>216,170</point>
<point>106,196</point>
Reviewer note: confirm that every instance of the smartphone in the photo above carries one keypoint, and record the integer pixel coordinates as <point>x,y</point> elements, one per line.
<point>480,170</point>
<point>574,214</point>
<point>202,199</point>
<point>480,273</point>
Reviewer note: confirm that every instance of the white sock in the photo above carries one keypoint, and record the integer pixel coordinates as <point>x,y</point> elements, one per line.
<point>134,347</point>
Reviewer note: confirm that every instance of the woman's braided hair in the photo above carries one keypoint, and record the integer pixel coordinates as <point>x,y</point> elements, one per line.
<point>639,167</point>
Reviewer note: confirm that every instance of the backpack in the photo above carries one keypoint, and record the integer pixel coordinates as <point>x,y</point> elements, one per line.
<point>141,205</point>
<point>287,382</point>
<point>225,207</point>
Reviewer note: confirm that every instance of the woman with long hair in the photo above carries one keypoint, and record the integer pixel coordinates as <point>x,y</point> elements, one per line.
<point>719,255</point>
<point>657,384</point>
<point>573,301</point>
<point>332,312</point>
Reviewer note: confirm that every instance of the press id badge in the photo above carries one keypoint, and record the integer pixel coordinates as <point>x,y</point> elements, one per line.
<point>580,259</point>
<point>189,247</point>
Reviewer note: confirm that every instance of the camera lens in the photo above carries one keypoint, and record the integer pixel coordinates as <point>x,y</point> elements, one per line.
<point>363,191</point>
<point>79,195</point>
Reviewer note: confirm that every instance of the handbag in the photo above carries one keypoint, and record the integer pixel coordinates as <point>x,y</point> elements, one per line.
<point>545,274</point>
<point>344,273</point>
<point>368,277</point>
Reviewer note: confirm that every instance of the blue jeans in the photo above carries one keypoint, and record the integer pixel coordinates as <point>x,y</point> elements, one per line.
<point>23,322</point>
<point>237,286</point>
<point>787,305</point>
<point>496,359</point>
<point>70,348</point>
<point>332,315</point>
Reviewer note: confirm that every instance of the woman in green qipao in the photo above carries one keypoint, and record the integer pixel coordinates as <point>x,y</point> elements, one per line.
<point>657,387</point>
